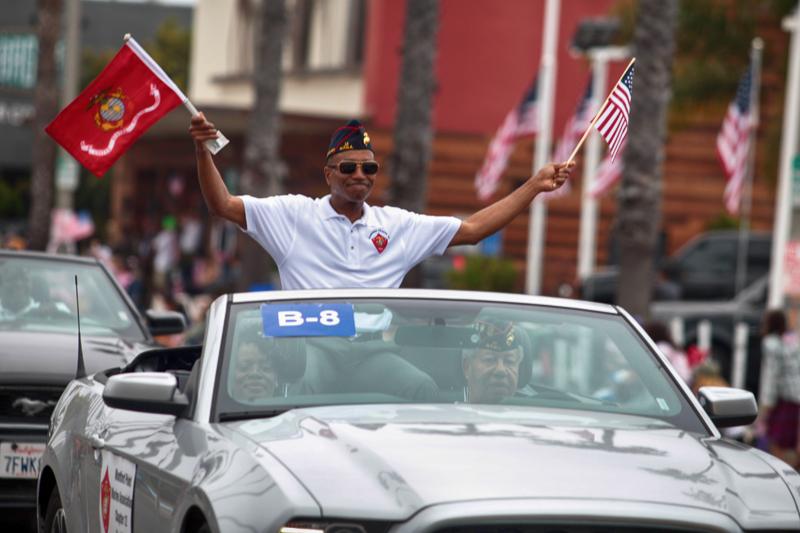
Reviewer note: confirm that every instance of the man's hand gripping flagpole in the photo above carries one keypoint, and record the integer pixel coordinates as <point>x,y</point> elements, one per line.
<point>213,145</point>
<point>598,114</point>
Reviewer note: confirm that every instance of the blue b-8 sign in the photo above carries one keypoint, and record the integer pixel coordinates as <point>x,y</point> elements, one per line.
<point>308,320</point>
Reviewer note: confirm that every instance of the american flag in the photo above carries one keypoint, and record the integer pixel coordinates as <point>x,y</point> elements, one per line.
<point>613,121</point>
<point>522,120</point>
<point>733,143</point>
<point>608,173</point>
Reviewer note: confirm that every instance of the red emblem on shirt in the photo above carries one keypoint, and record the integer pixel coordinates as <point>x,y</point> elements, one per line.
<point>380,239</point>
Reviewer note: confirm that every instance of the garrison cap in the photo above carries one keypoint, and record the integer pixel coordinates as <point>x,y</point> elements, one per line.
<point>351,136</point>
<point>497,334</point>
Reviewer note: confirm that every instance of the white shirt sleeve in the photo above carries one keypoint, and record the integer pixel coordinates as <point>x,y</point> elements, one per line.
<point>272,222</point>
<point>426,235</point>
<point>768,390</point>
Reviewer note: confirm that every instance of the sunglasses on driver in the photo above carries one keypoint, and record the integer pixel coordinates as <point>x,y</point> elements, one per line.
<point>349,167</point>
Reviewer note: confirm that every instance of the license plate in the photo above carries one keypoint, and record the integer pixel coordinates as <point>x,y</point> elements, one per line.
<point>20,460</point>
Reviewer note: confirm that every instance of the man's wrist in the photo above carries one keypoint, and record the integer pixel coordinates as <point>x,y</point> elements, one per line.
<point>200,148</point>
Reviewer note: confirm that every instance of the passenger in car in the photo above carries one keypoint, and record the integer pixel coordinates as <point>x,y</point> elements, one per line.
<point>15,294</point>
<point>253,376</point>
<point>492,367</point>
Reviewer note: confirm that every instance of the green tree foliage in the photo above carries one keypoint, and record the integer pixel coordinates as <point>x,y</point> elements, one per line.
<point>12,204</point>
<point>713,48</point>
<point>481,273</point>
<point>170,49</point>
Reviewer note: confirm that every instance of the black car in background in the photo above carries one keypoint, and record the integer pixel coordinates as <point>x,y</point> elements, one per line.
<point>747,307</point>
<point>702,269</point>
<point>39,351</point>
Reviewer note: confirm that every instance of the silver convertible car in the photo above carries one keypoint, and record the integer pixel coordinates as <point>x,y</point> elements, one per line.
<point>355,411</point>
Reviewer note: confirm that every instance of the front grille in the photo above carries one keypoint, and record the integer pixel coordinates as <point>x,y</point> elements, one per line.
<point>28,404</point>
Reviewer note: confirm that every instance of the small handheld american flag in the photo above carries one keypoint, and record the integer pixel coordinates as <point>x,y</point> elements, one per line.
<point>612,119</point>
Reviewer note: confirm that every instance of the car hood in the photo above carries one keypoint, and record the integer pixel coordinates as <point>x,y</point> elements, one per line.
<point>52,358</point>
<point>392,461</point>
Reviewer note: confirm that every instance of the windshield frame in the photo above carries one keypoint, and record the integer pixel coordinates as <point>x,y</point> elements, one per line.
<point>689,416</point>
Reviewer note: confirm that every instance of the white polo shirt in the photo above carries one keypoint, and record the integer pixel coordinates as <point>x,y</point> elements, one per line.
<point>317,248</point>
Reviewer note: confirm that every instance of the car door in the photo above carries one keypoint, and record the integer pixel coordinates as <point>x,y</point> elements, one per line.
<point>121,479</point>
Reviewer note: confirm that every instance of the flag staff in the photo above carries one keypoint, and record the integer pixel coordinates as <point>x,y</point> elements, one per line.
<point>597,115</point>
<point>213,145</point>
<point>756,51</point>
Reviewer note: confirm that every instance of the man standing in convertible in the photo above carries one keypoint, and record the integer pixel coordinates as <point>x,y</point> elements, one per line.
<point>339,240</point>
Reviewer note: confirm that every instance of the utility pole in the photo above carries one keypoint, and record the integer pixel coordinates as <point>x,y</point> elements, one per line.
<point>600,57</point>
<point>783,196</point>
<point>67,170</point>
<point>538,212</point>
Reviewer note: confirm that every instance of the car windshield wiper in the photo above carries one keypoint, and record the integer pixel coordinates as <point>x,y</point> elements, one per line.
<point>261,413</point>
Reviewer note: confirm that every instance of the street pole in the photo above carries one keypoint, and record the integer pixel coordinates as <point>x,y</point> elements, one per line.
<point>600,57</point>
<point>756,50</point>
<point>67,170</point>
<point>783,197</point>
<point>538,211</point>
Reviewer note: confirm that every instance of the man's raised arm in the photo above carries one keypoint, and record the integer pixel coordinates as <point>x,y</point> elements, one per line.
<point>220,202</point>
<point>497,215</point>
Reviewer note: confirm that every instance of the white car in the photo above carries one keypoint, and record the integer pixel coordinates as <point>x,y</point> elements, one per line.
<point>344,411</point>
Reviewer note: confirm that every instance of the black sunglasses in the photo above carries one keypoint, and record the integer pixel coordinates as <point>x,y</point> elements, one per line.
<point>367,167</point>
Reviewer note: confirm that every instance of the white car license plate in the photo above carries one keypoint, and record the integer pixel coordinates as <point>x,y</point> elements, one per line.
<point>20,459</point>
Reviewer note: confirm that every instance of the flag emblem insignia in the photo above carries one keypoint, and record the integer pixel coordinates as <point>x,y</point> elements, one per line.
<point>105,500</point>
<point>380,239</point>
<point>110,109</point>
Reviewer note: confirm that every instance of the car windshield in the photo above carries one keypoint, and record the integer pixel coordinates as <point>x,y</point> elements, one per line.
<point>287,354</point>
<point>38,295</point>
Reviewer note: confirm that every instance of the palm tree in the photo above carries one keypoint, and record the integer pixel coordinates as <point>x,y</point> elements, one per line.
<point>639,197</point>
<point>45,99</point>
<point>264,172</point>
<point>413,132</point>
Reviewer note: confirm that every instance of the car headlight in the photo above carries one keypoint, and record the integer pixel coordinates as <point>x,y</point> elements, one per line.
<point>308,527</point>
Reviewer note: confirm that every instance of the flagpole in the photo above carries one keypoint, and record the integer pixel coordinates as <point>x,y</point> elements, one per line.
<point>599,112</point>
<point>756,51</point>
<point>537,221</point>
<point>599,57</point>
<point>213,145</point>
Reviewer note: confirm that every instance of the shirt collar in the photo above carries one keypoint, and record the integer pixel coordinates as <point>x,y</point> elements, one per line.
<point>328,212</point>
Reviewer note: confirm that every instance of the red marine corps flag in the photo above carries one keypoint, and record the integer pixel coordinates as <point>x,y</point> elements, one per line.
<point>131,94</point>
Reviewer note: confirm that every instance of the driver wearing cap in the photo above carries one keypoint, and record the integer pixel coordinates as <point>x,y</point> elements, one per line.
<point>491,367</point>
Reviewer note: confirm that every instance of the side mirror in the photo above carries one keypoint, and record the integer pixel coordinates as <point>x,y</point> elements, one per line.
<point>165,322</point>
<point>146,392</point>
<point>729,407</point>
